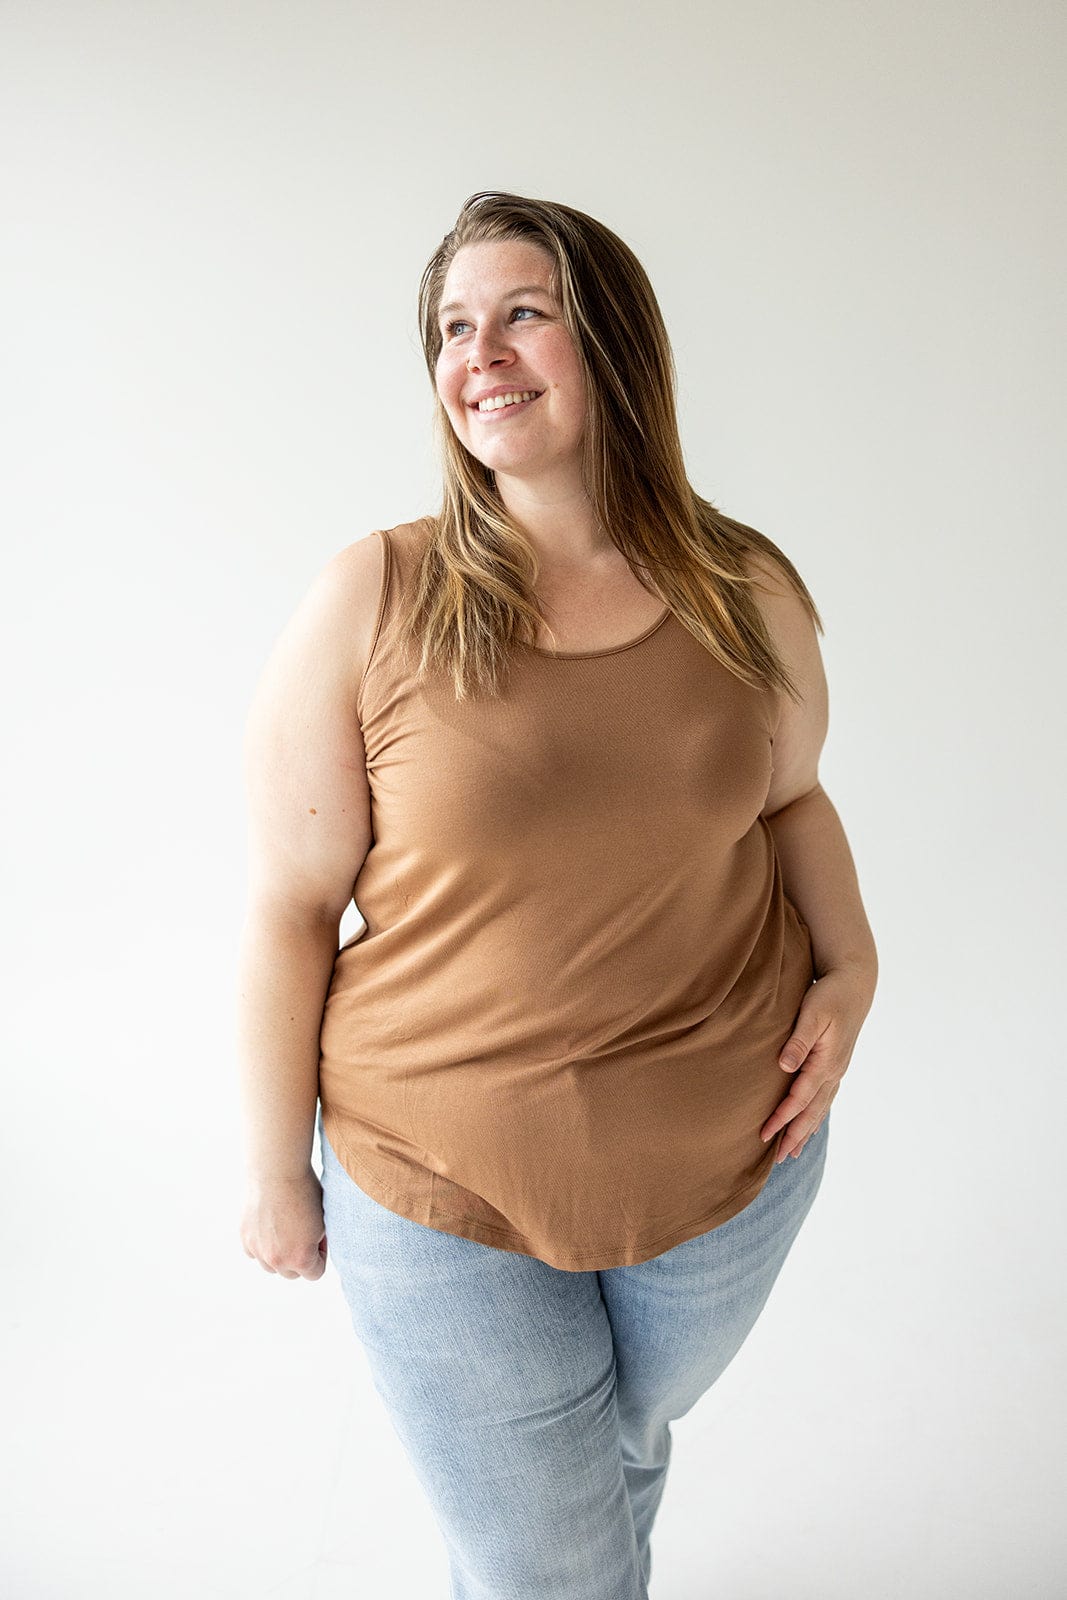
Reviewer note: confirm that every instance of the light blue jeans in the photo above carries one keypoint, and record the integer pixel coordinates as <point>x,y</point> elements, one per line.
<point>535,1404</point>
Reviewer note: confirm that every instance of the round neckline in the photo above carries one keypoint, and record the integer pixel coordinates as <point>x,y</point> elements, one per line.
<point>611,650</point>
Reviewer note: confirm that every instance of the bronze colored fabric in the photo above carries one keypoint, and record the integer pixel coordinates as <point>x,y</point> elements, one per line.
<point>559,1033</point>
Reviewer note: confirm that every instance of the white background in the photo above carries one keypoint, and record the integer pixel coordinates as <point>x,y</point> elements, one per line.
<point>214,220</point>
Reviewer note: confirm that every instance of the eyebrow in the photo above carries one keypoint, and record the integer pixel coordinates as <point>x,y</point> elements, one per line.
<point>529,288</point>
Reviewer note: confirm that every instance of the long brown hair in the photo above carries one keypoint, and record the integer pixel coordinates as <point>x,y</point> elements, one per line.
<point>473,596</point>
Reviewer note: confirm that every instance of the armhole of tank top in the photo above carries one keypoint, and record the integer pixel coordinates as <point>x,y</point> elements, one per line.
<point>379,617</point>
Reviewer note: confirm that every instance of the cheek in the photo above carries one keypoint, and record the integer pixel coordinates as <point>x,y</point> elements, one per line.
<point>571,381</point>
<point>576,408</point>
<point>450,399</point>
<point>449,377</point>
<point>450,393</point>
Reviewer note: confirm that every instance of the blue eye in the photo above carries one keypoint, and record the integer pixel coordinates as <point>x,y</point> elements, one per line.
<point>450,327</point>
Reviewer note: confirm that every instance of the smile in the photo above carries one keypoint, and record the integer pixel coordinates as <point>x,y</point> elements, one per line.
<point>497,410</point>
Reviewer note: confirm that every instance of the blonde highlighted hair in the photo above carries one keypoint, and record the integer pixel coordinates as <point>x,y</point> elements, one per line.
<point>474,591</point>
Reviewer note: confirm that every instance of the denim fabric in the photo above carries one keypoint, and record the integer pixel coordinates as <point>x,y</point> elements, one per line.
<point>535,1404</point>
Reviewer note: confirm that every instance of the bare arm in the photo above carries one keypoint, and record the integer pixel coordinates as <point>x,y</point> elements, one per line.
<point>286,960</point>
<point>309,830</point>
<point>817,866</point>
<point>820,879</point>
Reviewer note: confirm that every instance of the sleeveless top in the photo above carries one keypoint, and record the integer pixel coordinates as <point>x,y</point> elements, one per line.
<point>558,1033</point>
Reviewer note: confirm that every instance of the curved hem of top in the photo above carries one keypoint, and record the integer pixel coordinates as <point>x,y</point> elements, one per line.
<point>516,1244</point>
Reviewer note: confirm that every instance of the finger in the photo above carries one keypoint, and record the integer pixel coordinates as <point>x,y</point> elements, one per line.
<point>794,1054</point>
<point>800,1112</point>
<point>796,1149</point>
<point>279,1272</point>
<point>801,1042</point>
<point>796,1152</point>
<point>791,1145</point>
<point>799,1098</point>
<point>805,1124</point>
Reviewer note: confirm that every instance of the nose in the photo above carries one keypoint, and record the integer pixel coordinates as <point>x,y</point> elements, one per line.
<point>487,349</point>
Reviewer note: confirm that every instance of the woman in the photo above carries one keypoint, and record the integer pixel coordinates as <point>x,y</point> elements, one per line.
<point>559,742</point>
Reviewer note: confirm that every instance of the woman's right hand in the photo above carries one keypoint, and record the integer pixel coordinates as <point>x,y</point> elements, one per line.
<point>282,1225</point>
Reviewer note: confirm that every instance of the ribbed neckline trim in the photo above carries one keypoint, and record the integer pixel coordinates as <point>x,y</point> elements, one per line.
<point>612,649</point>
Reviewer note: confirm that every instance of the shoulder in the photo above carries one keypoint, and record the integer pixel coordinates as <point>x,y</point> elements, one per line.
<point>788,618</point>
<point>350,590</point>
<point>353,583</point>
<point>328,636</point>
<point>778,600</point>
<point>802,725</point>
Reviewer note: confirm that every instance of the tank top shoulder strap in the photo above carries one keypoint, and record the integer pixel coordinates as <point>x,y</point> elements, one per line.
<point>401,549</point>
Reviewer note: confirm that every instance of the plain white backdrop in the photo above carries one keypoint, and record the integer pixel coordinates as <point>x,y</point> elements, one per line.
<point>214,220</point>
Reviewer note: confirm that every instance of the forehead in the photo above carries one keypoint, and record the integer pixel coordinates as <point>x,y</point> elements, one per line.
<point>495,267</point>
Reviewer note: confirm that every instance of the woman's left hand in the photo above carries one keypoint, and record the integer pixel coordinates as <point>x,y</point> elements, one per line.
<point>818,1050</point>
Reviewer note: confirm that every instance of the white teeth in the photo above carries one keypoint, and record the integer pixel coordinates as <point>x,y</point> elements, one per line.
<point>501,400</point>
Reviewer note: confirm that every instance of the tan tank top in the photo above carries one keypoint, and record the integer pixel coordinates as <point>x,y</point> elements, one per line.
<point>559,1033</point>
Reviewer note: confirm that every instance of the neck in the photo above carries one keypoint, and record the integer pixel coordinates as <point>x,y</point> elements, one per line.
<point>559,522</point>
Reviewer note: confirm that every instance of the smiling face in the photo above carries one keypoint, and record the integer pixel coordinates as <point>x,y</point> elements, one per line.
<point>503,331</point>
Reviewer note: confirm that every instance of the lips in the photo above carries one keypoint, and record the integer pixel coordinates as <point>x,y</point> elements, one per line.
<point>504,411</point>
